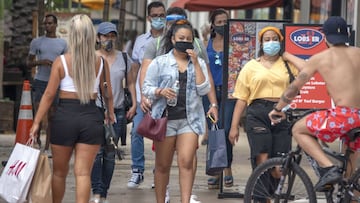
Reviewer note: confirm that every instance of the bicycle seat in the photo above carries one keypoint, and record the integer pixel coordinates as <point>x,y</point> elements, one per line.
<point>353,134</point>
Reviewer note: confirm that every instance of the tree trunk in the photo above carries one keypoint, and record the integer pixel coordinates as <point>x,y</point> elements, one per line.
<point>121,24</point>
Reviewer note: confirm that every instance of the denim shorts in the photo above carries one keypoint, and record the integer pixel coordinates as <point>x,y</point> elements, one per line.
<point>177,127</point>
<point>77,123</point>
<point>262,136</point>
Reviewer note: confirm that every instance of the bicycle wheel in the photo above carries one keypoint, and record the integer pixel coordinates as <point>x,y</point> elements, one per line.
<point>262,184</point>
<point>352,193</point>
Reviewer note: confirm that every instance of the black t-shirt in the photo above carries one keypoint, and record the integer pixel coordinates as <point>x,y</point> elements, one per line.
<point>179,111</point>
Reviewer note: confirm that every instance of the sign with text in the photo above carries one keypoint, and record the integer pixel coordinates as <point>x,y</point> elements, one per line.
<point>241,45</point>
<point>305,41</point>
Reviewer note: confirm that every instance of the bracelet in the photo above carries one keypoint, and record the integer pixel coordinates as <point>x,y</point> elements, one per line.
<point>213,105</point>
<point>159,93</point>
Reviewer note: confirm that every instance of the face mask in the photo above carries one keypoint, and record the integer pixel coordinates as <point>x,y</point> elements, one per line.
<point>107,45</point>
<point>158,23</point>
<point>271,48</point>
<point>219,29</point>
<point>183,46</point>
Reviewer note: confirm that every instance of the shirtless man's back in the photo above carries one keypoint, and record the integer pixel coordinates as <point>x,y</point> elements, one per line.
<point>339,66</point>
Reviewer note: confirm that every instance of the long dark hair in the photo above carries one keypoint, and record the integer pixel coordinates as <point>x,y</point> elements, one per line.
<point>168,45</point>
<point>212,16</point>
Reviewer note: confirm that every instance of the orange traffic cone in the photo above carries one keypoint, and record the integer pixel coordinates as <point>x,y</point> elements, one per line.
<point>25,118</point>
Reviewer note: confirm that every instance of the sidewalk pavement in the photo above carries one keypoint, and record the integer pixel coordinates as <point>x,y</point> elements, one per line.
<point>119,193</point>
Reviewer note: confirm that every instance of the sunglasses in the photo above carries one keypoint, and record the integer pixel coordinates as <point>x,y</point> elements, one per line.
<point>217,59</point>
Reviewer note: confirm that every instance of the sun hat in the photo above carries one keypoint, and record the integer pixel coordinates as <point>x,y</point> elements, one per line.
<point>336,30</point>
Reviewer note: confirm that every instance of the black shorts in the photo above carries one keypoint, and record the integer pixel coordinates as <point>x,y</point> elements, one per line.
<point>262,136</point>
<point>77,123</point>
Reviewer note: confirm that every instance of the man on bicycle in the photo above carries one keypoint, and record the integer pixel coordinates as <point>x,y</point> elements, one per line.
<point>339,66</point>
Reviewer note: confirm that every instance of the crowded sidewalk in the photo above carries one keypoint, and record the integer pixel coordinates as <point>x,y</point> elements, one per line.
<point>119,193</point>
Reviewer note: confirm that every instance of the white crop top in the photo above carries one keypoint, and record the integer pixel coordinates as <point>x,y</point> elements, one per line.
<point>67,83</point>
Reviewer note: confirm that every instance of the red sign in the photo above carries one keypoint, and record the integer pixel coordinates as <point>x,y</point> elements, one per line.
<point>305,41</point>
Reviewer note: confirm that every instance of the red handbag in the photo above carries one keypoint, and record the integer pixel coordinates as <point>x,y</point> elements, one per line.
<point>154,129</point>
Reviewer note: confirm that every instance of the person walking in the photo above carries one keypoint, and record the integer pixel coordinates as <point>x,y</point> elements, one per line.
<point>339,67</point>
<point>77,124</point>
<point>186,120</point>
<point>104,164</point>
<point>156,48</point>
<point>258,87</point>
<point>215,50</point>
<point>156,16</point>
<point>42,53</point>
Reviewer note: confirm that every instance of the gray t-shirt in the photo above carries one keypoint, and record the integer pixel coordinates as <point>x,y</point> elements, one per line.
<point>155,48</point>
<point>46,48</point>
<point>117,76</point>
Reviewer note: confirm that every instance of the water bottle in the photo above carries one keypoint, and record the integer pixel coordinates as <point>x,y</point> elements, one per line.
<point>175,87</point>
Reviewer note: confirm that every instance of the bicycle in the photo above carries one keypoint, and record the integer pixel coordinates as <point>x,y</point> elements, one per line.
<point>283,179</point>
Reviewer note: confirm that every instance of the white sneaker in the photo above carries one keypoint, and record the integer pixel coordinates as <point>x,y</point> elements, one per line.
<point>193,199</point>
<point>136,179</point>
<point>167,196</point>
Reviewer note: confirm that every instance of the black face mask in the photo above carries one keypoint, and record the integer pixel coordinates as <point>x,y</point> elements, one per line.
<point>182,46</point>
<point>219,29</point>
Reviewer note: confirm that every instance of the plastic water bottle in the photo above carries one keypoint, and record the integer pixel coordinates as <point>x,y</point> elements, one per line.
<point>175,87</point>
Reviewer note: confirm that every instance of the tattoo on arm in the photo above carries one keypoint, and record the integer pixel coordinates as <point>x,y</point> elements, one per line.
<point>302,77</point>
<point>285,99</point>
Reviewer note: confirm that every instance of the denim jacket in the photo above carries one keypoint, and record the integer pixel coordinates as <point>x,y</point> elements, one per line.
<point>163,72</point>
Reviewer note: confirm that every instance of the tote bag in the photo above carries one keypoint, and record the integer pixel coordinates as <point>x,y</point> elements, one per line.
<point>17,175</point>
<point>216,154</point>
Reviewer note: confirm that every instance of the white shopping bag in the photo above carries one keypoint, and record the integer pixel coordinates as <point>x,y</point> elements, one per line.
<point>17,175</point>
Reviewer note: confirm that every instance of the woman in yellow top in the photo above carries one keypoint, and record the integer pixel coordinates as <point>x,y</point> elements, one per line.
<point>258,87</point>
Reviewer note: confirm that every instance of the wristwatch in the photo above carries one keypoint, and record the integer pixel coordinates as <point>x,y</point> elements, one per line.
<point>213,105</point>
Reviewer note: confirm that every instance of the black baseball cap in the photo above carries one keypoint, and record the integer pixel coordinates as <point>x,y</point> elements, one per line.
<point>336,30</point>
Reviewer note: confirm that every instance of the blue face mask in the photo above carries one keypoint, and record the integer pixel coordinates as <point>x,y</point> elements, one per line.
<point>271,48</point>
<point>158,23</point>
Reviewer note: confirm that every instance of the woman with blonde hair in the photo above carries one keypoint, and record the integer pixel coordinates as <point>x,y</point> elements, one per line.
<point>77,125</point>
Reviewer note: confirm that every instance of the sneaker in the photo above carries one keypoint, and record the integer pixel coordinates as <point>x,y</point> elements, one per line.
<point>136,179</point>
<point>193,199</point>
<point>328,179</point>
<point>167,195</point>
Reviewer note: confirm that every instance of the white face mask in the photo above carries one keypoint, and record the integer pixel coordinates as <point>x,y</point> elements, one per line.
<point>271,48</point>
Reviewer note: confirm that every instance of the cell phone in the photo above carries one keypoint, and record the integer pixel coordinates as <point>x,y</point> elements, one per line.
<point>211,118</point>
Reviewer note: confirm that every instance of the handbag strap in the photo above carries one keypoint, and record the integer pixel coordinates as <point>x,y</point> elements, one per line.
<point>291,76</point>
<point>126,66</point>
<point>104,104</point>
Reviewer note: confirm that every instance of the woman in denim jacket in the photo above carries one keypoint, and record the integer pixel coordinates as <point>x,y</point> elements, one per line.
<point>186,120</point>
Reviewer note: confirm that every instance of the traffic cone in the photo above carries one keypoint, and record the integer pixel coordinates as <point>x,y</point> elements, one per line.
<point>25,118</point>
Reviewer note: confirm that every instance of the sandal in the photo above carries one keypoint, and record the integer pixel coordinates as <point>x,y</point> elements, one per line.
<point>213,183</point>
<point>228,181</point>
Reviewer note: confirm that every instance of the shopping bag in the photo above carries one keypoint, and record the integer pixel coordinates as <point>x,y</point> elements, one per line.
<point>40,188</point>
<point>216,155</point>
<point>17,175</point>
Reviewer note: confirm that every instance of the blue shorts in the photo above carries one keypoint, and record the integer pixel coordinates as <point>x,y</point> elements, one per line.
<point>77,123</point>
<point>177,127</point>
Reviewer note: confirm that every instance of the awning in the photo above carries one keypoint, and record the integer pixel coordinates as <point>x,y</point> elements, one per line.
<point>206,5</point>
<point>94,4</point>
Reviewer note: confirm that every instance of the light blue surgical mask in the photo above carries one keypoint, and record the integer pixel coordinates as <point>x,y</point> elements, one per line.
<point>271,48</point>
<point>158,23</point>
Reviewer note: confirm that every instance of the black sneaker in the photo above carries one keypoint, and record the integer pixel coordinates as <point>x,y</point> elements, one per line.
<point>328,179</point>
